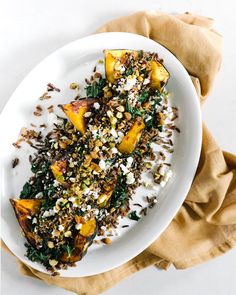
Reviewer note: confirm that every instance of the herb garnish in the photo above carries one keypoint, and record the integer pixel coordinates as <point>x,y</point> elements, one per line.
<point>69,249</point>
<point>96,88</point>
<point>133,215</point>
<point>120,193</point>
<point>143,97</point>
<point>36,256</point>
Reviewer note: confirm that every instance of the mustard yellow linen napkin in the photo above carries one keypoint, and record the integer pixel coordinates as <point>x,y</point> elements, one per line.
<point>205,225</point>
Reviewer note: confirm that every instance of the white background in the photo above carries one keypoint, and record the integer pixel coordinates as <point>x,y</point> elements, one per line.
<point>30,30</point>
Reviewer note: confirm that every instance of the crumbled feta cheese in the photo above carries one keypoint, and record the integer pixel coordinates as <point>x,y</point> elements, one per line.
<point>120,134</point>
<point>96,212</point>
<point>34,220</point>
<point>130,82</point>
<point>86,191</point>
<point>87,114</point>
<point>95,195</point>
<point>102,164</point>
<point>48,213</point>
<point>124,169</point>
<point>114,150</point>
<point>55,183</point>
<point>103,227</point>
<point>61,227</point>
<point>148,118</point>
<point>146,81</point>
<point>96,105</point>
<point>89,207</point>
<point>129,162</point>
<point>130,178</point>
<point>39,195</point>
<point>113,133</point>
<point>78,226</point>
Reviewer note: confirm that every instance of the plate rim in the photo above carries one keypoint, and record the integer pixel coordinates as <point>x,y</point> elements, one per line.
<point>197,149</point>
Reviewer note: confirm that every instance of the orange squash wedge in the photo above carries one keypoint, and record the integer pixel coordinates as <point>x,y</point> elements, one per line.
<point>132,137</point>
<point>25,210</point>
<point>75,112</point>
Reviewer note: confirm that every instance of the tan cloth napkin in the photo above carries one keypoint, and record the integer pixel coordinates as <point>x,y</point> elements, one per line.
<point>205,226</point>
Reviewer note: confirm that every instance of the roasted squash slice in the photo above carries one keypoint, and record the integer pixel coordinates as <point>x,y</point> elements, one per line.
<point>58,168</point>
<point>75,112</point>
<point>112,57</point>
<point>82,241</point>
<point>130,140</point>
<point>159,74</point>
<point>24,209</point>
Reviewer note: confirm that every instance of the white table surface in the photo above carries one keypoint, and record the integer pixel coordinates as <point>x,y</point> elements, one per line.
<point>30,30</point>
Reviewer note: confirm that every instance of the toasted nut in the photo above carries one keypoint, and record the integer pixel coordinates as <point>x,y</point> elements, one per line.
<point>50,244</point>
<point>108,94</point>
<point>148,165</point>
<point>67,234</point>
<point>140,78</point>
<point>98,143</point>
<point>112,210</point>
<point>94,155</point>
<point>120,109</point>
<point>113,120</point>
<point>62,144</point>
<point>146,105</point>
<point>157,177</point>
<point>106,241</point>
<point>119,115</point>
<point>128,116</point>
<point>53,262</point>
<point>74,86</point>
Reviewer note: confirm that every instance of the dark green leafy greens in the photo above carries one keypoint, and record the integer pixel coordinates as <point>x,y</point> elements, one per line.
<point>96,88</point>
<point>133,215</point>
<point>119,195</point>
<point>143,97</point>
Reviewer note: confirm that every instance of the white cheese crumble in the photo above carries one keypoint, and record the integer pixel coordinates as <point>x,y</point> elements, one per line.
<point>146,81</point>
<point>39,195</point>
<point>130,178</point>
<point>114,150</point>
<point>60,227</point>
<point>102,164</point>
<point>130,82</point>
<point>129,162</point>
<point>124,169</point>
<point>48,213</point>
<point>34,220</point>
<point>96,105</point>
<point>78,226</point>
<point>87,114</point>
<point>113,133</point>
